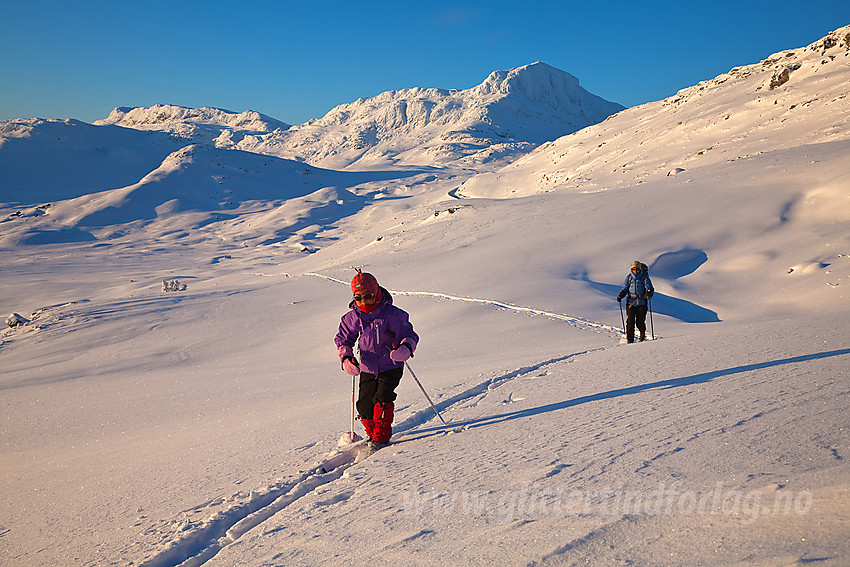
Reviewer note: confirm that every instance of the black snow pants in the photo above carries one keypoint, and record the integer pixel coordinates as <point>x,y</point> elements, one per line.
<point>380,388</point>
<point>636,318</point>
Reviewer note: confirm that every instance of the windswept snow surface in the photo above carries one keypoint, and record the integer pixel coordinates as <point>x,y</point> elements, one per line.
<point>199,426</point>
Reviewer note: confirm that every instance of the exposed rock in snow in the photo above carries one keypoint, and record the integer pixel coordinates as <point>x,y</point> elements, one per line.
<point>15,320</point>
<point>173,285</point>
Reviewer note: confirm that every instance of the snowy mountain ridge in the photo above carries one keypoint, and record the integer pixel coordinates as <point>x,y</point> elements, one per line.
<point>196,124</point>
<point>509,113</point>
<point>168,118</point>
<point>736,115</point>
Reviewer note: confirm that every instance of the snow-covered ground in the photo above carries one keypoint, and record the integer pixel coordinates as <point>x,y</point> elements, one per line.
<point>149,427</point>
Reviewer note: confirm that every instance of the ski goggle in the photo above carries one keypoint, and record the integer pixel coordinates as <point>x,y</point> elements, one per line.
<point>364,297</point>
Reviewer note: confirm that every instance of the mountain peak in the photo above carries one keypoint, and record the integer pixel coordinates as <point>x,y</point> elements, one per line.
<point>544,88</point>
<point>509,113</point>
<point>528,79</point>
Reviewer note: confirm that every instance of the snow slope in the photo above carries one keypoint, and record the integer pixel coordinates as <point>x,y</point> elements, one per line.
<point>49,160</point>
<point>199,427</point>
<point>113,184</point>
<point>749,111</point>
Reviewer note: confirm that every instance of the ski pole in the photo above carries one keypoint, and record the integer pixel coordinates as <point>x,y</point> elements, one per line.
<point>620,301</point>
<point>418,383</point>
<point>351,434</point>
<point>651,324</point>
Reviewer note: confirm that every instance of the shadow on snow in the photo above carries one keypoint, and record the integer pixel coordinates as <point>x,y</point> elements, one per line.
<point>661,304</point>
<point>661,384</point>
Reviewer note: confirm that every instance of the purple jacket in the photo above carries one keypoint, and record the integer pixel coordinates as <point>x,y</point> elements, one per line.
<point>378,332</point>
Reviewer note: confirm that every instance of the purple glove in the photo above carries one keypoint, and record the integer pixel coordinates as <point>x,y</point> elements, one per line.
<point>350,365</point>
<point>402,353</point>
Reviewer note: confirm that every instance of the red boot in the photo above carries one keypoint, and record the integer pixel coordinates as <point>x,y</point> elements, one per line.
<point>383,422</point>
<point>369,426</point>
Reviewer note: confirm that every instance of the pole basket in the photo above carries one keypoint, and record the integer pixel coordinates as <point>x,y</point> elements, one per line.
<point>348,438</point>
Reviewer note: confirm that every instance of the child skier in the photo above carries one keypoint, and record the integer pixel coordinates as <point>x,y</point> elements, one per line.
<point>385,339</point>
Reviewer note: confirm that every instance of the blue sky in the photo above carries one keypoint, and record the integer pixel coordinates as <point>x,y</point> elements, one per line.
<point>296,60</point>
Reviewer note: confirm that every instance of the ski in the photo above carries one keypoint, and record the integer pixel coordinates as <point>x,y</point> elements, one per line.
<point>368,449</point>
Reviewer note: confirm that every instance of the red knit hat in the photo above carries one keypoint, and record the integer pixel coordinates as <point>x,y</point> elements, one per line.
<point>364,283</point>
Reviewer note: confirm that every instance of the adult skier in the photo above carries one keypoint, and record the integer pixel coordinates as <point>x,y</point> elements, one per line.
<point>638,288</point>
<point>386,339</point>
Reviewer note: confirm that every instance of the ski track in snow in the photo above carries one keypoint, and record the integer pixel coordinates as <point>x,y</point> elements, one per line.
<point>194,547</point>
<point>201,544</point>
<point>575,321</point>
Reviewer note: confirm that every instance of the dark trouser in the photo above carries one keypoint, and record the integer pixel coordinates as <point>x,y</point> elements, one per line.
<point>636,318</point>
<point>377,389</point>
<point>375,405</point>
